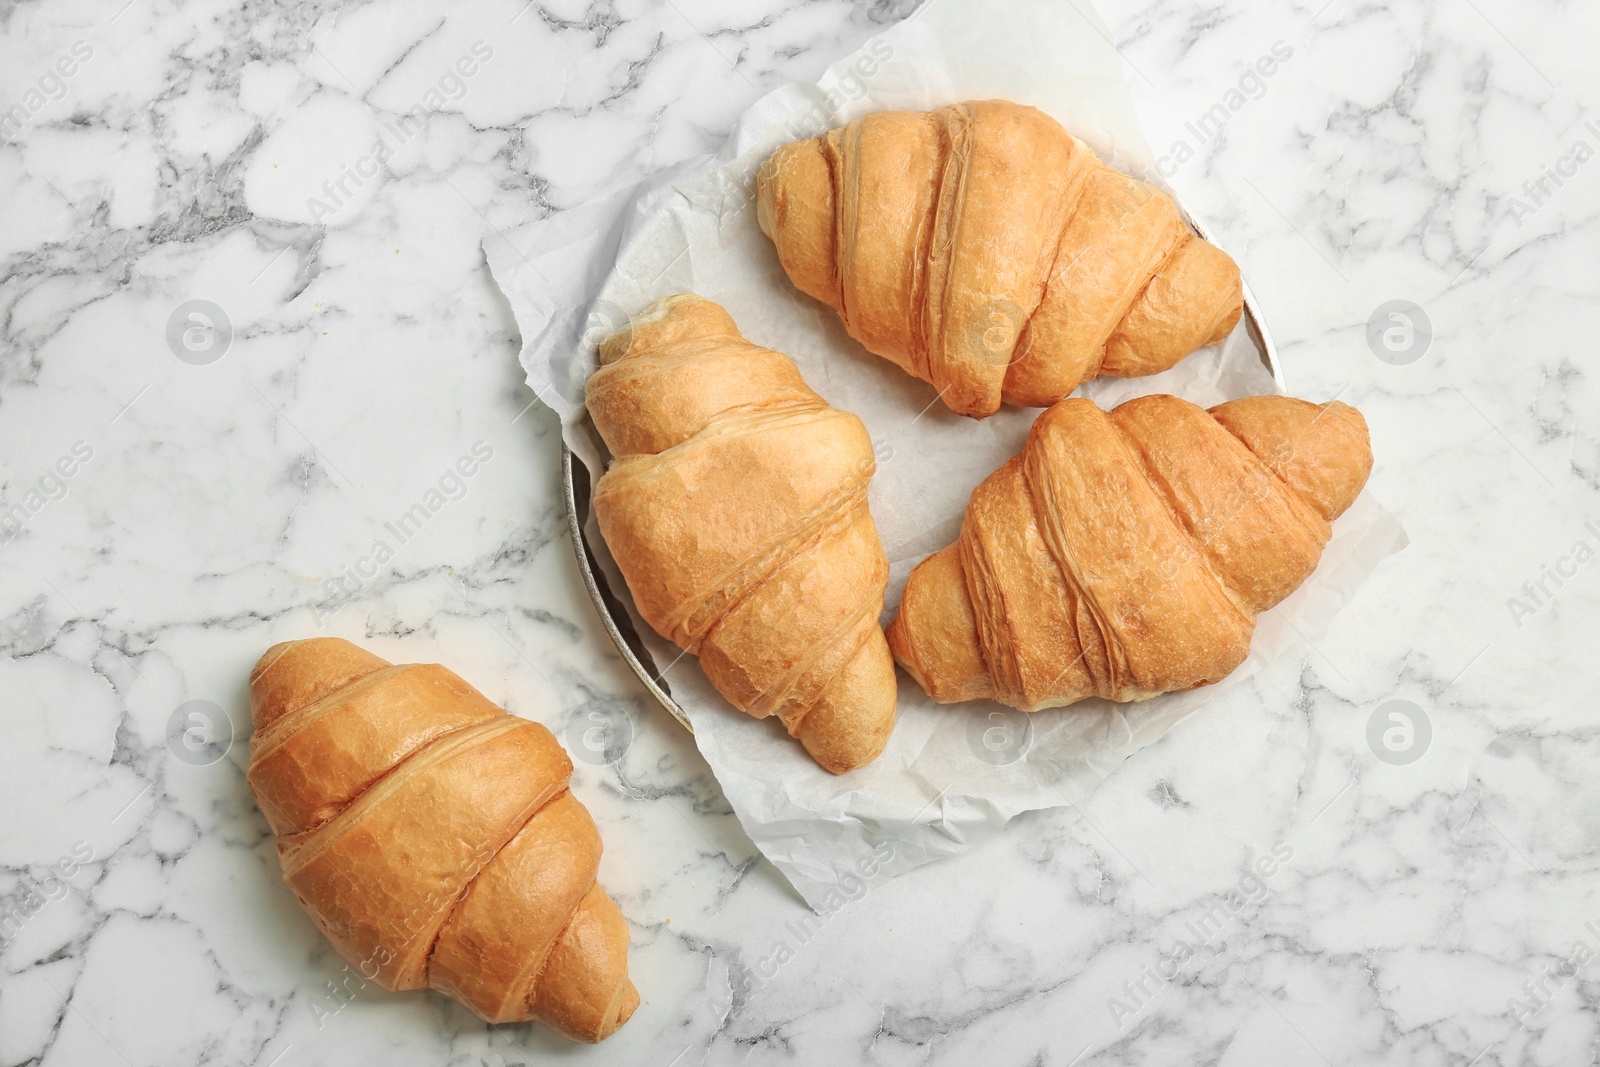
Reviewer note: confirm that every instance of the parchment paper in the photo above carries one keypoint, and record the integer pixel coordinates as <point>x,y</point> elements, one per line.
<point>951,775</point>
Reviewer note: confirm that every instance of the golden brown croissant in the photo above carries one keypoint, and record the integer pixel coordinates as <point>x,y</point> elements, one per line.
<point>1127,554</point>
<point>989,252</point>
<point>737,511</point>
<point>432,839</point>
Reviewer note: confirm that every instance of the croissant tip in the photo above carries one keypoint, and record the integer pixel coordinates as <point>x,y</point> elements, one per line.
<point>627,1002</point>
<point>1345,410</point>
<point>269,657</point>
<point>766,194</point>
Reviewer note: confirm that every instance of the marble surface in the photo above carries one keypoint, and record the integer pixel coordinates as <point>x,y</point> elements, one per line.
<point>1295,876</point>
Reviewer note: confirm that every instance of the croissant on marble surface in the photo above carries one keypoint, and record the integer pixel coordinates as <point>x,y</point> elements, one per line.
<point>985,250</point>
<point>736,509</point>
<point>1128,553</point>
<point>432,838</point>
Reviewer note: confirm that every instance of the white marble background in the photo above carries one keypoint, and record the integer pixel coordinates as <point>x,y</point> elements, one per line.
<point>1393,156</point>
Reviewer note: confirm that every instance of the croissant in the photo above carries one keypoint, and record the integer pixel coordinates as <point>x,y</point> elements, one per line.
<point>431,837</point>
<point>987,251</point>
<point>736,509</point>
<point>1128,554</point>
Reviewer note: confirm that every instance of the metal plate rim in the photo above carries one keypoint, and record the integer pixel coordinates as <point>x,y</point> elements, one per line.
<point>597,585</point>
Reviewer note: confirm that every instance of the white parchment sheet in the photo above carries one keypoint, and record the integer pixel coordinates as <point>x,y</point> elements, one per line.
<point>954,774</point>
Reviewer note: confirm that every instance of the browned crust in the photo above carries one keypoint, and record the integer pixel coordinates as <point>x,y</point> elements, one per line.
<point>986,251</point>
<point>1128,553</point>
<point>431,837</point>
<point>737,512</point>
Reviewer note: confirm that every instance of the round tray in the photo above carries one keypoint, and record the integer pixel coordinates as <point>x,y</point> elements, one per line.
<point>577,479</point>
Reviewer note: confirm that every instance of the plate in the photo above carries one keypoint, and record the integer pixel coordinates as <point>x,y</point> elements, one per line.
<point>577,481</point>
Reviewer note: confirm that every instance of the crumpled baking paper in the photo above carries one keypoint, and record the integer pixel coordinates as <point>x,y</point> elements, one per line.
<point>951,774</point>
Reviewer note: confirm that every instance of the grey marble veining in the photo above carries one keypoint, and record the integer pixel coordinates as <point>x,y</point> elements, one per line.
<point>1269,884</point>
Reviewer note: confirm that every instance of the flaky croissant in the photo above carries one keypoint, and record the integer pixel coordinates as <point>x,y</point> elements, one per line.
<point>736,509</point>
<point>1127,554</point>
<point>989,252</point>
<point>431,837</point>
